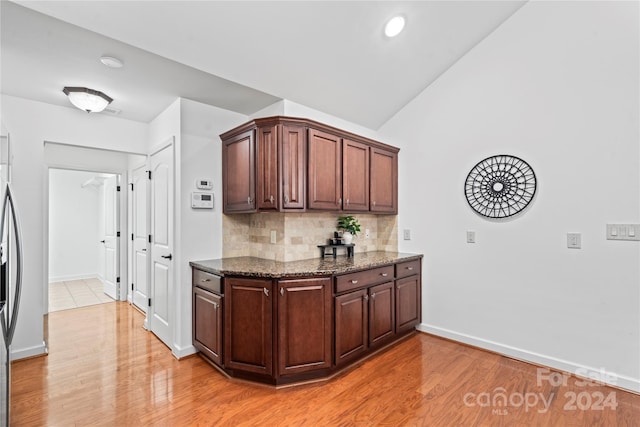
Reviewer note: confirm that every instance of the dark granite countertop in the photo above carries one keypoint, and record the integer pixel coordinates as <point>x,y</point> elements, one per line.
<point>259,267</point>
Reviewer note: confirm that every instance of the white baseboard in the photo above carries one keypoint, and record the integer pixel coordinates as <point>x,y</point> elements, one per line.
<point>73,277</point>
<point>180,352</point>
<point>23,353</point>
<point>616,380</point>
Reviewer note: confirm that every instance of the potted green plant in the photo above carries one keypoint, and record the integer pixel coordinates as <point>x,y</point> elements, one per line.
<point>350,227</point>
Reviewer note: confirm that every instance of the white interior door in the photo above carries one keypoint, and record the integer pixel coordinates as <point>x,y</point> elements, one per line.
<point>139,231</point>
<point>110,240</point>
<point>161,243</point>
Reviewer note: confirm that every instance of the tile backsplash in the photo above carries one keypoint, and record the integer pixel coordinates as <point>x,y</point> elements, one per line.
<point>299,234</point>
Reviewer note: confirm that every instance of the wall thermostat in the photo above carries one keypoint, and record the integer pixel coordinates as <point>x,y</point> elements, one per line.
<point>204,184</point>
<point>202,200</point>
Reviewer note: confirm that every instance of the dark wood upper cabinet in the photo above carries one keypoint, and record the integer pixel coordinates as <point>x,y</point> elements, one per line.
<point>355,176</point>
<point>384,181</point>
<point>293,161</point>
<point>304,325</point>
<point>267,159</point>
<point>292,164</point>
<point>238,173</point>
<point>325,171</point>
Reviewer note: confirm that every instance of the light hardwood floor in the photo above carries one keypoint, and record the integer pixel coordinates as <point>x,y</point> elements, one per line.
<point>105,369</point>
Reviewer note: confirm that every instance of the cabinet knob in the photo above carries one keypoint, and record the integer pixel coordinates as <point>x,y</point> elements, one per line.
<point>374,203</point>
<point>266,291</point>
<point>340,201</point>
<point>249,200</point>
<point>282,291</point>
<point>366,297</point>
<point>215,305</point>
<point>286,199</point>
<point>354,281</point>
<point>271,199</point>
<point>373,295</point>
<point>347,201</point>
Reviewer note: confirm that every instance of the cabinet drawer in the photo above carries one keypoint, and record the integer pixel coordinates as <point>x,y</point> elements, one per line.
<point>409,268</point>
<point>207,281</point>
<point>361,279</point>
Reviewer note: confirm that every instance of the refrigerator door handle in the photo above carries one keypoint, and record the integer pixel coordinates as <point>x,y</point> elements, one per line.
<point>8,203</point>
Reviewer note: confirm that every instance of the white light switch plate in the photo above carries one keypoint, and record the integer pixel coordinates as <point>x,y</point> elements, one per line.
<point>574,240</point>
<point>623,231</point>
<point>407,234</point>
<point>471,236</point>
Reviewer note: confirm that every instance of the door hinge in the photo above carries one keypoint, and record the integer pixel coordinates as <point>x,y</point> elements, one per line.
<point>149,238</point>
<point>149,174</point>
<point>132,186</point>
<point>117,280</point>
<point>132,286</point>
<point>118,188</point>
<point>117,234</point>
<point>131,236</point>
<point>149,302</point>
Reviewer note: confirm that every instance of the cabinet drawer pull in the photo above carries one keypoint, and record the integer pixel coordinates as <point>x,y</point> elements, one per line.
<point>354,281</point>
<point>205,280</point>
<point>266,291</point>
<point>384,274</point>
<point>409,268</point>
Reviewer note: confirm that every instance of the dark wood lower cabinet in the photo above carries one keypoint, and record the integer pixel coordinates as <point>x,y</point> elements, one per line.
<point>207,324</point>
<point>248,325</point>
<point>381,313</point>
<point>304,325</point>
<point>408,306</point>
<point>352,331</point>
<point>289,330</point>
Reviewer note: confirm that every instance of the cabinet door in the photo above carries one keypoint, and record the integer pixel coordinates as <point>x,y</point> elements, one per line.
<point>207,324</point>
<point>238,173</point>
<point>384,181</point>
<point>408,304</point>
<point>351,326</point>
<point>381,313</point>
<point>304,325</point>
<point>355,176</point>
<point>248,325</point>
<point>293,154</point>
<point>267,159</point>
<point>325,171</point>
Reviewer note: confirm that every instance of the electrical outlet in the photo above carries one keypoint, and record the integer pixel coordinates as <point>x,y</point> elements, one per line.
<point>574,240</point>
<point>407,234</point>
<point>273,237</point>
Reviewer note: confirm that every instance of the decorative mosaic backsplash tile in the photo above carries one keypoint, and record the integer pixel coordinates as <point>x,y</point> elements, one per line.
<point>299,234</point>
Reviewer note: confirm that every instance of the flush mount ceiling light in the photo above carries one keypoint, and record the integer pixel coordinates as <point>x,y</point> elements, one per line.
<point>394,26</point>
<point>111,62</point>
<point>89,100</point>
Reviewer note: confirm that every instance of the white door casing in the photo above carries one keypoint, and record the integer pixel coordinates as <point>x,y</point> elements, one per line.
<point>139,232</point>
<point>161,166</point>
<point>110,240</point>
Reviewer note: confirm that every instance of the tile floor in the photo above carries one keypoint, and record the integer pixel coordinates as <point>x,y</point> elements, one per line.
<point>76,293</point>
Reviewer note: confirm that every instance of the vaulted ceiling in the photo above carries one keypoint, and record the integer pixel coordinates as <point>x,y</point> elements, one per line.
<point>239,55</point>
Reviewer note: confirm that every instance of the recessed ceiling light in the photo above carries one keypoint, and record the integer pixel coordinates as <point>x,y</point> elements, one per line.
<point>394,26</point>
<point>112,62</point>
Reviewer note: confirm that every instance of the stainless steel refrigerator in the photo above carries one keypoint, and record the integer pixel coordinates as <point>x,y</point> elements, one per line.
<point>10,277</point>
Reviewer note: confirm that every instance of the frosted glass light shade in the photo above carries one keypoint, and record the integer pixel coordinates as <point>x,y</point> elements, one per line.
<point>89,100</point>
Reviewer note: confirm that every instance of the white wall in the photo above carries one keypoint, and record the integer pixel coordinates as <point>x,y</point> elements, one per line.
<point>200,230</point>
<point>30,124</point>
<point>74,236</point>
<point>556,85</point>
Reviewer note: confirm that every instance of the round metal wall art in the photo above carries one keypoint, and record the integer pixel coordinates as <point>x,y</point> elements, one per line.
<point>500,186</point>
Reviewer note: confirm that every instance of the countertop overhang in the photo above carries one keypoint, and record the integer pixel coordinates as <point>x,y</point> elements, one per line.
<point>327,266</point>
